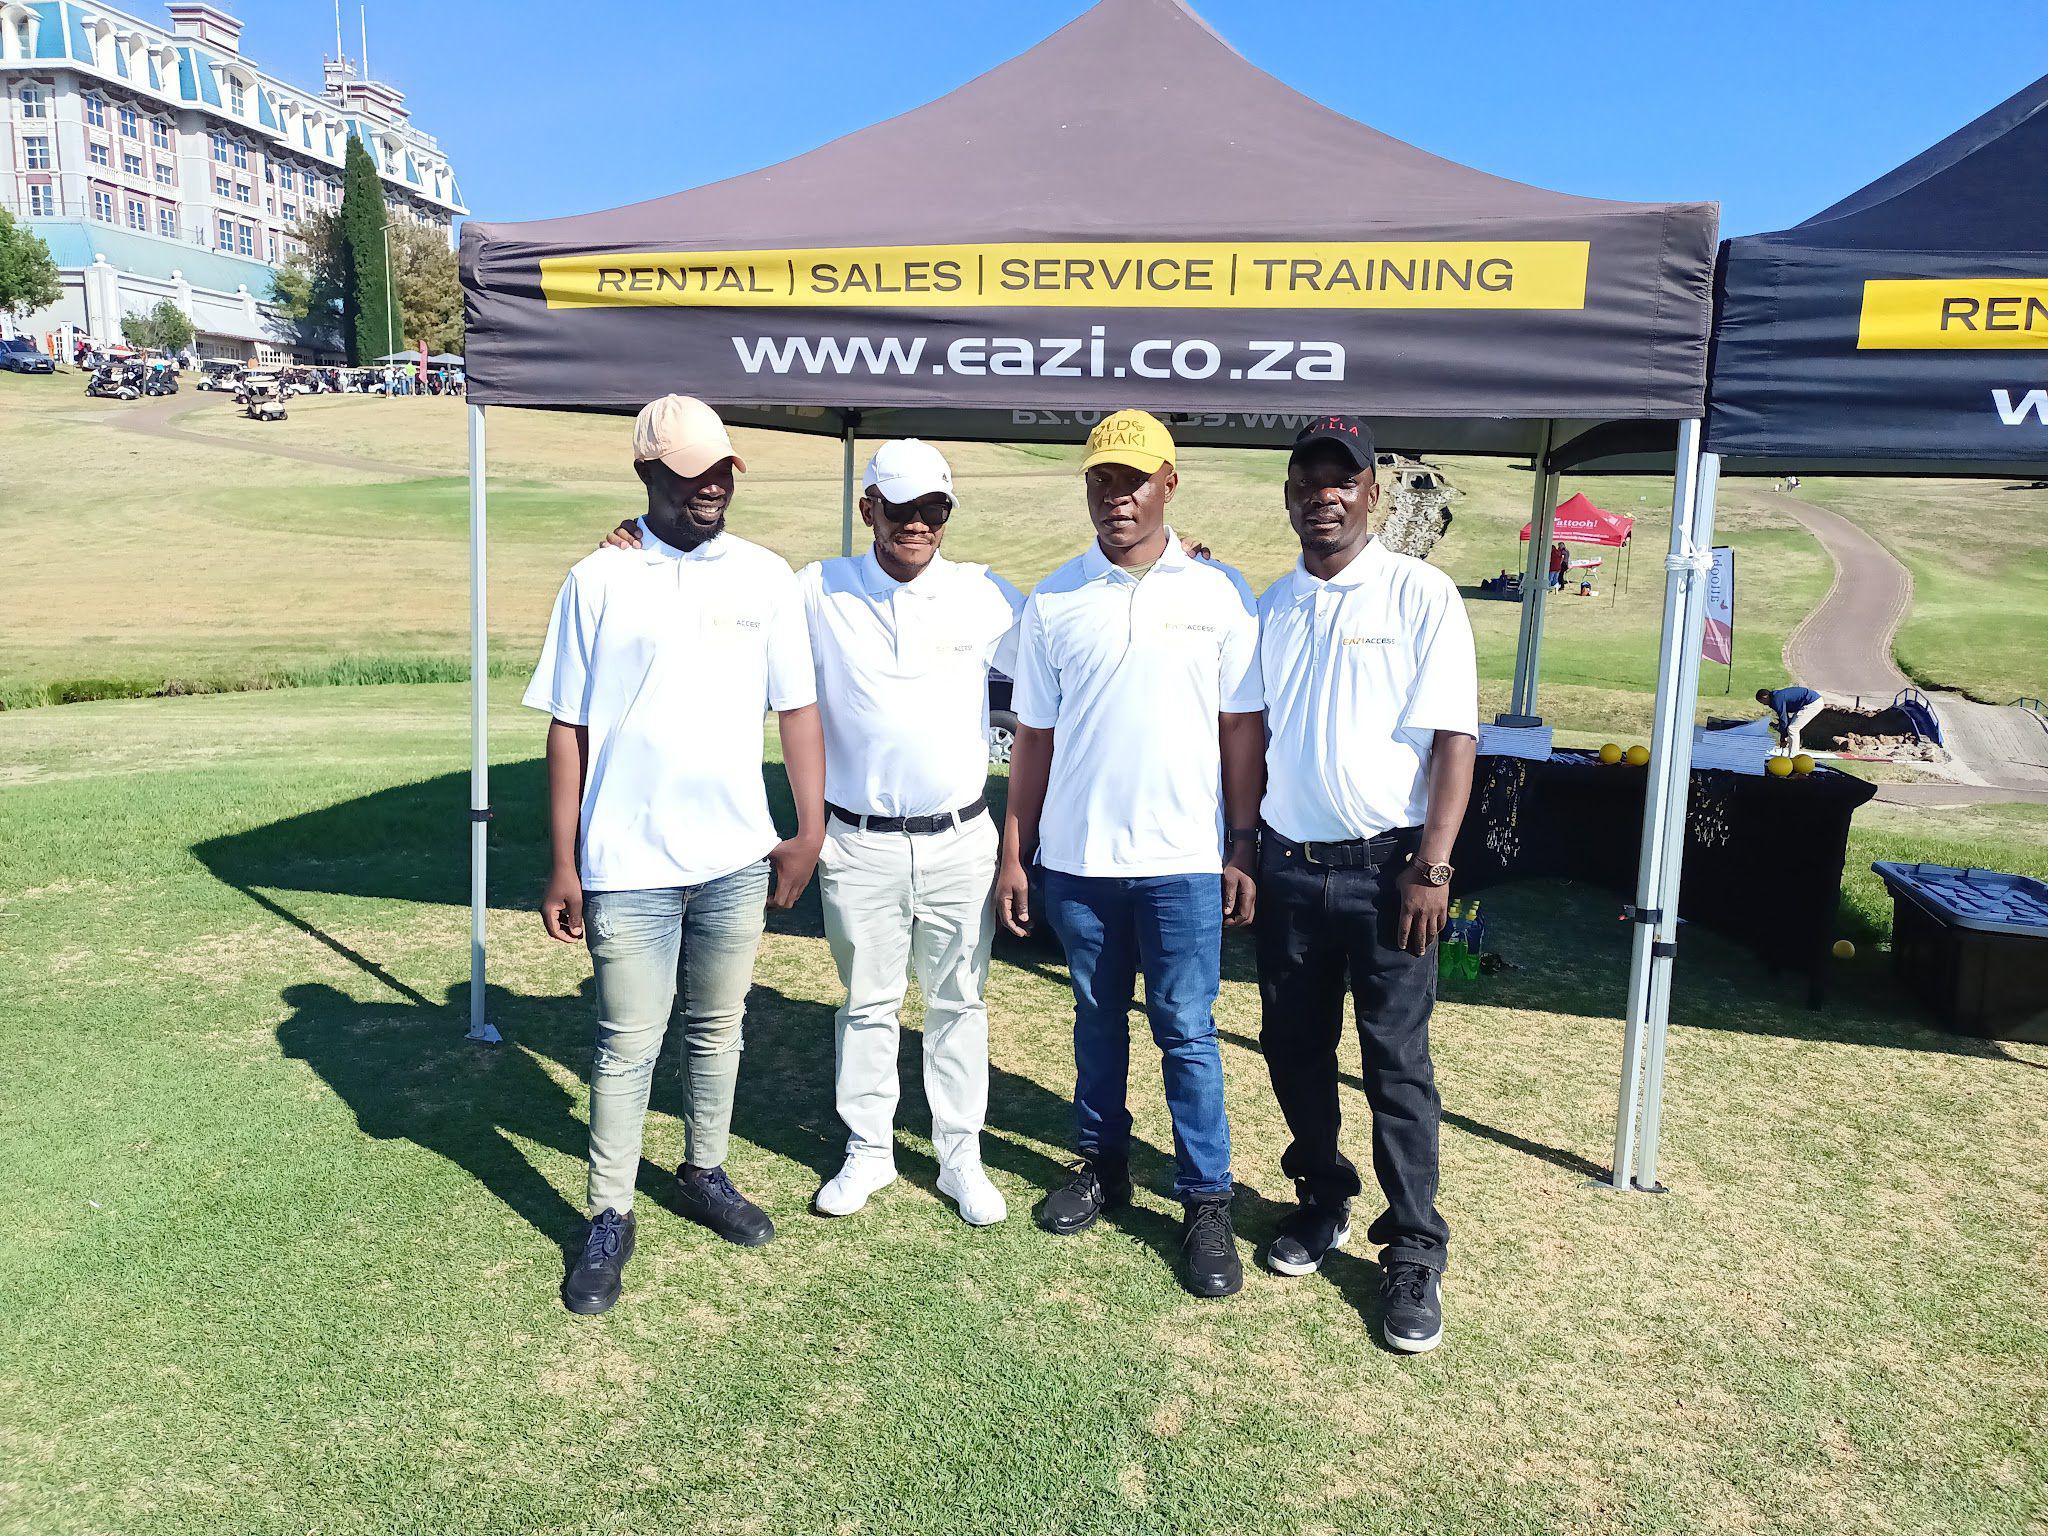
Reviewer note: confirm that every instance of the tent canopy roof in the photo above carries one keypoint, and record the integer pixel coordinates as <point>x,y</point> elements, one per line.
<point>1132,132</point>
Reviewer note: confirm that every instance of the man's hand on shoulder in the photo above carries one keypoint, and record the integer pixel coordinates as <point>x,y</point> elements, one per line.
<point>1194,548</point>
<point>625,536</point>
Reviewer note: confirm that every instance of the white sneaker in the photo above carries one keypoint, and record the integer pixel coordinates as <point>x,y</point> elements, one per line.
<point>967,1186</point>
<point>857,1179</point>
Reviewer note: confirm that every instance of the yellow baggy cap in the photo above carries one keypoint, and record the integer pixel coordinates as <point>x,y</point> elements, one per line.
<point>1136,438</point>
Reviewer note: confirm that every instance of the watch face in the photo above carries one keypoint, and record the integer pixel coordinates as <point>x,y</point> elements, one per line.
<point>1437,874</point>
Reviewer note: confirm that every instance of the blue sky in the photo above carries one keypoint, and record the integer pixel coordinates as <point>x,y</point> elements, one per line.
<point>1773,109</point>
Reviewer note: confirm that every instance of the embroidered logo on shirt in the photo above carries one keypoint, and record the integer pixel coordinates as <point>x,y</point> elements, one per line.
<point>1367,640</point>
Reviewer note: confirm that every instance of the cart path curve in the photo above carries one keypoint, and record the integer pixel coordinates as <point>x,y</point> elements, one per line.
<point>1844,648</point>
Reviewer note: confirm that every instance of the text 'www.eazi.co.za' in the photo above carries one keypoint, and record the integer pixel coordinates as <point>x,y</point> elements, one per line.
<point>1044,357</point>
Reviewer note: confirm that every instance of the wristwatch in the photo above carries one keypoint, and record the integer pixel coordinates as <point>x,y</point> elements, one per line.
<point>1433,874</point>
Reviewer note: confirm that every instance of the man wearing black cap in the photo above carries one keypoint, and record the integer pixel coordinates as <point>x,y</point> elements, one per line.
<point>1372,721</point>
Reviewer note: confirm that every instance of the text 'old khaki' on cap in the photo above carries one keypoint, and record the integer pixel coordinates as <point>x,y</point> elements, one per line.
<point>1136,438</point>
<point>684,433</point>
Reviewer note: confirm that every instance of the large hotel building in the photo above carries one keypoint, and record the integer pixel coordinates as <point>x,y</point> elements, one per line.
<point>161,163</point>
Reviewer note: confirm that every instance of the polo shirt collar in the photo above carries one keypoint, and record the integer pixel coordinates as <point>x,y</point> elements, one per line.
<point>1363,564</point>
<point>654,548</point>
<point>879,583</point>
<point>1095,564</point>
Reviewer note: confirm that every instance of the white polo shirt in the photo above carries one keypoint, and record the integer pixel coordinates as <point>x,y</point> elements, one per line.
<point>903,680</point>
<point>1360,673</point>
<point>671,658</point>
<point>1131,675</point>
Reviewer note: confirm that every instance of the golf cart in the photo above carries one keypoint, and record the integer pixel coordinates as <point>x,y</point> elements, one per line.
<point>259,397</point>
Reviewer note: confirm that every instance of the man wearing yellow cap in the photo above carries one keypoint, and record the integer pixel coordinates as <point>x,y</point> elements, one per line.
<point>658,666</point>
<point>1138,701</point>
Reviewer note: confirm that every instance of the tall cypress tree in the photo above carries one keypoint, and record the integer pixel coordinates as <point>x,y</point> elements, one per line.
<point>368,322</point>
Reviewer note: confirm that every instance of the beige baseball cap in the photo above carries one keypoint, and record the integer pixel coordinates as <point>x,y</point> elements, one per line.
<point>684,433</point>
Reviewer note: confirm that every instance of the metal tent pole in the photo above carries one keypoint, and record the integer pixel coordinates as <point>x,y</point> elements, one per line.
<point>1522,695</point>
<point>480,1026</point>
<point>1698,556</point>
<point>846,485</point>
<point>1650,869</point>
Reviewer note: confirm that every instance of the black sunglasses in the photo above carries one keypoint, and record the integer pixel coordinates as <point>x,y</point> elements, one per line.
<point>911,512</point>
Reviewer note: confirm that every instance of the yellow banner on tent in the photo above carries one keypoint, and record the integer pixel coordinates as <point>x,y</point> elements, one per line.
<point>1959,314</point>
<point>1387,274</point>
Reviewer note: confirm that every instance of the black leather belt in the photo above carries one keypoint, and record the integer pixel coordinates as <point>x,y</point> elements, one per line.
<point>1358,853</point>
<point>917,826</point>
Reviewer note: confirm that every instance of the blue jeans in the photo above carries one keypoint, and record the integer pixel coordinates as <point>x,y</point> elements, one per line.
<point>640,943</point>
<point>1171,928</point>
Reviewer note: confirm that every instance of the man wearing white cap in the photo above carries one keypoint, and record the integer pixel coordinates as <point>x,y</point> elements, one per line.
<point>658,667</point>
<point>903,639</point>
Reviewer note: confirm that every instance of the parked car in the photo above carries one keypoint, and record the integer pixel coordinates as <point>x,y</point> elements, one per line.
<point>1002,720</point>
<point>20,355</point>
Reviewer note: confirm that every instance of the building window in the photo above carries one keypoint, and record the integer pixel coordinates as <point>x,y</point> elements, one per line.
<point>138,214</point>
<point>98,154</point>
<point>159,133</point>
<point>222,188</point>
<point>245,239</point>
<point>224,227</point>
<point>167,223</point>
<point>34,102</point>
<point>236,102</point>
<point>131,165</point>
<point>166,174</point>
<point>284,177</point>
<point>291,213</point>
<point>96,111</point>
<point>37,150</point>
<point>220,147</point>
<point>273,249</point>
<point>131,124</point>
<point>42,200</point>
<point>241,153</point>
<point>242,193</point>
<point>103,205</point>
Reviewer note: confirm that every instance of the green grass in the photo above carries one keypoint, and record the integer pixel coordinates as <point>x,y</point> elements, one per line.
<point>283,1249</point>
<point>161,562</point>
<point>1979,620</point>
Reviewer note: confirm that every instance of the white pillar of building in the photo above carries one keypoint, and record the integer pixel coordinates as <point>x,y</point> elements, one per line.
<point>103,300</point>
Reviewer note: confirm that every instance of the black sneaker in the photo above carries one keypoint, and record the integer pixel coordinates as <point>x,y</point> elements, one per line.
<point>1307,1234</point>
<point>1412,1308</point>
<point>707,1197</point>
<point>1208,1250</point>
<point>593,1281</point>
<point>1094,1188</point>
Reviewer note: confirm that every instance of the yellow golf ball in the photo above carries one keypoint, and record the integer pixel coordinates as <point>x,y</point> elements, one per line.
<point>1610,754</point>
<point>1802,764</point>
<point>1844,950</point>
<point>1636,756</point>
<point>1778,767</point>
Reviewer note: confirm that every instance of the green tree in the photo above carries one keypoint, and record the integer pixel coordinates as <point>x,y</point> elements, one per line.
<point>429,283</point>
<point>306,291</point>
<point>173,327</point>
<point>368,316</point>
<point>28,276</point>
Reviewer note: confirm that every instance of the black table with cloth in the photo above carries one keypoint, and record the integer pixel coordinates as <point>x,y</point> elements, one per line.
<point>1763,856</point>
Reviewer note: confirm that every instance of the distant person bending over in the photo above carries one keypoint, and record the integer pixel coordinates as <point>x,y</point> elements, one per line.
<point>658,666</point>
<point>1794,706</point>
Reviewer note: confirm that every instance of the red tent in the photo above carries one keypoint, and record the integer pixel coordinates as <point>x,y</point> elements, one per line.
<point>1580,522</point>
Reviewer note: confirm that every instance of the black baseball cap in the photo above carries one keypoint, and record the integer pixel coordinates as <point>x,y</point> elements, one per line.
<point>1348,433</point>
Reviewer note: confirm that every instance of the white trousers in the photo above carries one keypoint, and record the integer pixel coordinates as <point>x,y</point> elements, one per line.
<point>894,902</point>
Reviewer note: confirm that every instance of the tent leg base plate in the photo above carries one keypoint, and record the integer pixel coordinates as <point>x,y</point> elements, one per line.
<point>485,1034</point>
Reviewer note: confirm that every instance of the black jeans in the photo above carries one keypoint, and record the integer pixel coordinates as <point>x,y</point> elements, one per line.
<point>1319,928</point>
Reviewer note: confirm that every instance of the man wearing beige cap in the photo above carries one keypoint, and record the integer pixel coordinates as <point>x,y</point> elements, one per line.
<point>658,666</point>
<point>1138,698</point>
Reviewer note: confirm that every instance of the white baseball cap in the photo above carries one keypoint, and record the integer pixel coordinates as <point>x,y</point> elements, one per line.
<point>906,468</point>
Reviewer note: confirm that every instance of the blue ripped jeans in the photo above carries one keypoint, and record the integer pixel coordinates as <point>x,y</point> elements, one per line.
<point>641,944</point>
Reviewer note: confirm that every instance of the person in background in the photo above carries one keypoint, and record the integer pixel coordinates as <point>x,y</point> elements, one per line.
<point>1372,724</point>
<point>1560,563</point>
<point>658,666</point>
<point>1793,706</point>
<point>1137,697</point>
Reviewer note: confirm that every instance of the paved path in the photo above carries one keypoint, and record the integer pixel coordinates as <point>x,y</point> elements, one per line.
<point>1844,648</point>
